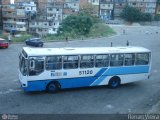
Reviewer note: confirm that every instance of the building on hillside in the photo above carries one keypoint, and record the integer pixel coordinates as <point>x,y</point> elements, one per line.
<point>16,16</point>
<point>146,6</point>
<point>49,22</point>
<point>158,9</point>
<point>118,7</point>
<point>5,2</point>
<point>106,9</point>
<point>72,5</point>
<point>83,4</point>
<point>96,6</point>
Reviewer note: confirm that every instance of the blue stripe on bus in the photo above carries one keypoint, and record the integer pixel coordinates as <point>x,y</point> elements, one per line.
<point>38,85</point>
<point>127,70</point>
<point>121,71</point>
<point>87,81</point>
<point>102,70</point>
<point>76,82</point>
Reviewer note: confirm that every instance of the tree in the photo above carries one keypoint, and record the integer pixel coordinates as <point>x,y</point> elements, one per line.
<point>132,14</point>
<point>78,24</point>
<point>146,17</point>
<point>92,11</point>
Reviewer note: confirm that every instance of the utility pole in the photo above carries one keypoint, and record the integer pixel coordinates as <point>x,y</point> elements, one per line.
<point>99,9</point>
<point>1,15</point>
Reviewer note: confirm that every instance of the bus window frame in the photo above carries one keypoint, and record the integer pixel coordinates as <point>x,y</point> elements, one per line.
<point>70,68</point>
<point>95,58</point>
<point>149,57</point>
<point>57,62</point>
<point>132,59</point>
<point>87,55</point>
<point>118,60</point>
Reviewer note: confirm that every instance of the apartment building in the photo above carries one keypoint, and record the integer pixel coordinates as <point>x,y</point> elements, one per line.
<point>15,16</point>
<point>5,2</point>
<point>158,9</point>
<point>49,22</point>
<point>96,6</point>
<point>119,6</point>
<point>106,9</point>
<point>83,4</point>
<point>146,6</point>
<point>45,16</point>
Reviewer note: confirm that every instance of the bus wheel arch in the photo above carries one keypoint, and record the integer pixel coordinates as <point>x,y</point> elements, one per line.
<point>114,82</point>
<point>53,87</point>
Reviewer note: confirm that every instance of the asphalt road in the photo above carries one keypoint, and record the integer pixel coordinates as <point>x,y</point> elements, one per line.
<point>138,97</point>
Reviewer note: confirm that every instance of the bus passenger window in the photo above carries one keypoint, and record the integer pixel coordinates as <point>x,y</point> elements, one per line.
<point>54,62</point>
<point>116,59</point>
<point>102,61</point>
<point>129,59</point>
<point>70,62</point>
<point>87,61</point>
<point>142,58</point>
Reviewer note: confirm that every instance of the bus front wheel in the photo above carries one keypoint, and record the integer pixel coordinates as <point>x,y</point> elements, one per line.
<point>114,82</point>
<point>53,87</point>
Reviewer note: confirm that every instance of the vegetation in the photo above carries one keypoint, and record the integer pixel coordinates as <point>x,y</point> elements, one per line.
<point>76,24</point>
<point>132,14</point>
<point>100,30</point>
<point>21,38</point>
<point>81,26</point>
<point>157,18</point>
<point>97,30</point>
<point>4,36</point>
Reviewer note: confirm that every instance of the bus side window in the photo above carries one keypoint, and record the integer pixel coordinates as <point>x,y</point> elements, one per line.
<point>142,58</point>
<point>116,59</point>
<point>87,61</point>
<point>102,61</point>
<point>129,59</point>
<point>70,62</point>
<point>53,62</point>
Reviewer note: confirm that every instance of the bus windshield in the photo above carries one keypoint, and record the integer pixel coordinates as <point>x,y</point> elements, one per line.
<point>23,65</point>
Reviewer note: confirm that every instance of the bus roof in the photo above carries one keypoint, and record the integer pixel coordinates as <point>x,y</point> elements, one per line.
<point>82,50</point>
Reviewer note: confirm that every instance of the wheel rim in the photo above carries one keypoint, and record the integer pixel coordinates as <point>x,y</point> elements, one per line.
<point>114,83</point>
<point>52,87</point>
<point>40,45</point>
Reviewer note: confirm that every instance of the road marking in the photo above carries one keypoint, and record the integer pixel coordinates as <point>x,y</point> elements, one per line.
<point>9,91</point>
<point>109,106</point>
<point>155,71</point>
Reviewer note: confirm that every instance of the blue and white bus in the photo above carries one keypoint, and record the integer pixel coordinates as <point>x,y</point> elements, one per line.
<point>52,69</point>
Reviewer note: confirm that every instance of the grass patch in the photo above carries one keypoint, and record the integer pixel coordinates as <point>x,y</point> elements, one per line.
<point>101,30</point>
<point>21,38</point>
<point>4,36</point>
<point>97,30</point>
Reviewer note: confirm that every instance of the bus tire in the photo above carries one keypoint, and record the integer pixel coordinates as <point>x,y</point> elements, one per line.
<point>114,82</point>
<point>53,87</point>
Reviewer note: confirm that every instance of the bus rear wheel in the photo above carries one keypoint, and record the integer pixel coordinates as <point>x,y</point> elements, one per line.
<point>114,82</point>
<point>53,87</point>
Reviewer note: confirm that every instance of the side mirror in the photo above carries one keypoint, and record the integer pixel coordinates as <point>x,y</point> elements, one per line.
<point>32,64</point>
